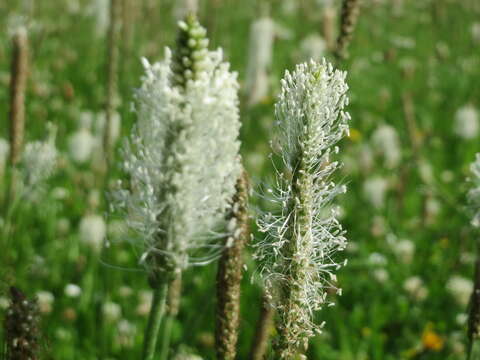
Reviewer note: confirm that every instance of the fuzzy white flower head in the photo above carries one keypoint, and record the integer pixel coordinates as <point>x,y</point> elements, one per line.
<point>39,160</point>
<point>385,141</point>
<point>374,190</point>
<point>260,53</point>
<point>474,193</point>
<point>182,156</point>
<point>466,123</point>
<point>45,301</point>
<point>302,238</point>
<point>92,231</point>
<point>460,288</point>
<point>404,249</point>
<point>73,290</point>
<point>111,311</point>
<point>415,287</point>
<point>81,145</point>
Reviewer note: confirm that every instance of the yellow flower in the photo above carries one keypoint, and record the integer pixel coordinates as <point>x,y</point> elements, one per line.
<point>431,340</point>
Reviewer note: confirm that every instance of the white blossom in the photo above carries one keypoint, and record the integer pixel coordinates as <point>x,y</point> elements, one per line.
<point>385,142</point>
<point>415,287</point>
<point>81,145</point>
<point>460,288</point>
<point>181,156</point>
<point>466,123</point>
<point>404,249</point>
<point>374,190</point>
<point>111,311</point>
<point>39,160</point>
<point>92,230</point>
<point>45,301</point>
<point>302,236</point>
<point>73,290</point>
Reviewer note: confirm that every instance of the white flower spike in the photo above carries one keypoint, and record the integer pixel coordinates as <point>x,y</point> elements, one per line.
<point>182,155</point>
<point>301,241</point>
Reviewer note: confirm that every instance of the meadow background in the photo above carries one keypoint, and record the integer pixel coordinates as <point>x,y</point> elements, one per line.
<point>413,67</point>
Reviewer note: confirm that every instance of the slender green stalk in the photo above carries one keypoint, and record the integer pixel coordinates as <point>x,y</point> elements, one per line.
<point>173,304</point>
<point>166,336</point>
<point>154,320</point>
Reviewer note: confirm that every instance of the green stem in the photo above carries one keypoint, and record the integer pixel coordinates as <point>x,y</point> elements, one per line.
<point>154,319</point>
<point>166,336</point>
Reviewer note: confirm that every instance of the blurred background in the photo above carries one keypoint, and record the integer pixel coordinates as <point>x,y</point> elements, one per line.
<point>414,73</point>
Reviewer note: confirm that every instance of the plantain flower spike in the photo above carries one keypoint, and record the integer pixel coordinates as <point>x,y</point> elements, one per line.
<point>298,252</point>
<point>182,156</point>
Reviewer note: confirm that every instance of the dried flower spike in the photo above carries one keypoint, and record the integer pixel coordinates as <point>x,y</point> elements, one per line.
<point>229,275</point>
<point>300,243</point>
<point>18,82</point>
<point>348,21</point>
<point>21,327</point>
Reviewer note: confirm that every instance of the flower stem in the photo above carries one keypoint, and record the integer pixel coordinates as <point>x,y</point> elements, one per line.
<point>173,304</point>
<point>154,320</point>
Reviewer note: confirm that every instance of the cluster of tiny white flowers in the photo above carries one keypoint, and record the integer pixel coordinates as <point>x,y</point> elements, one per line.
<point>311,120</point>
<point>466,123</point>
<point>92,231</point>
<point>386,142</point>
<point>375,189</point>
<point>39,160</point>
<point>474,193</point>
<point>182,160</point>
<point>460,288</point>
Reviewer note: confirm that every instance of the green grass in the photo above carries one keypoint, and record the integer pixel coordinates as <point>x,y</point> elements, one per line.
<point>372,320</point>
